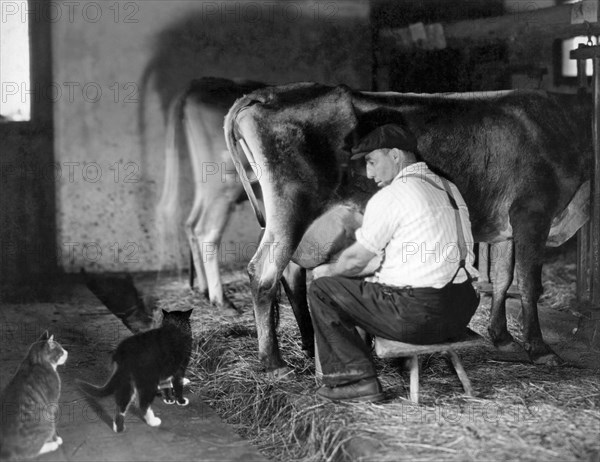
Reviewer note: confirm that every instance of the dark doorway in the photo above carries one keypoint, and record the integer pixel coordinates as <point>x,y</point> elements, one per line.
<point>27,181</point>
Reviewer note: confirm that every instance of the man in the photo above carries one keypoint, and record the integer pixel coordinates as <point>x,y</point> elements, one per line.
<point>416,233</point>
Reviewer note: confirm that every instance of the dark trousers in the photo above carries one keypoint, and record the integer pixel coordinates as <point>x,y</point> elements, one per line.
<point>422,316</point>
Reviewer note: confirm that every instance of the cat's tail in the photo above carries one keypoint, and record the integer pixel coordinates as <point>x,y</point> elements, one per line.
<point>105,390</point>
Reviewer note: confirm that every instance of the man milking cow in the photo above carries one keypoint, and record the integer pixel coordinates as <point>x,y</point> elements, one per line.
<point>415,247</point>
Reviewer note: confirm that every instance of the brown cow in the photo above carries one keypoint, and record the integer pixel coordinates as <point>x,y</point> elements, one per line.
<point>518,158</point>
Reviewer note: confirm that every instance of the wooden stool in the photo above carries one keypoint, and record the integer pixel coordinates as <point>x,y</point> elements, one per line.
<point>391,349</point>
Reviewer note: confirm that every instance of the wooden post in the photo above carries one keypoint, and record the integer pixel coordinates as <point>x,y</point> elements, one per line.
<point>593,235</point>
<point>584,277</point>
<point>595,215</point>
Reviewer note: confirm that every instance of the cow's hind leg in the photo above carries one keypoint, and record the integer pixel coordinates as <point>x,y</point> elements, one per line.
<point>531,224</point>
<point>190,225</point>
<point>294,283</point>
<point>208,232</point>
<point>265,270</point>
<point>503,264</point>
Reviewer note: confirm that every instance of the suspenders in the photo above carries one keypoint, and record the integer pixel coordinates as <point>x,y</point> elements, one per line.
<point>462,245</point>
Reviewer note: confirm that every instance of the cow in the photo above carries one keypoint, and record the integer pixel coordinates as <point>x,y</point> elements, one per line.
<point>201,109</point>
<point>518,158</point>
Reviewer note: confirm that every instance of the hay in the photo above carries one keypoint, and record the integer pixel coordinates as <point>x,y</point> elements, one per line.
<point>521,411</point>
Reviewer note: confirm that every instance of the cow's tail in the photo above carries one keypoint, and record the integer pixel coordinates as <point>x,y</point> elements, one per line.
<point>168,209</point>
<point>141,107</point>
<point>237,153</point>
<point>573,217</point>
<point>230,128</point>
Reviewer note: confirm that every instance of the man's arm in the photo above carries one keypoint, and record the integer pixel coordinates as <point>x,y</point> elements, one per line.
<point>354,261</point>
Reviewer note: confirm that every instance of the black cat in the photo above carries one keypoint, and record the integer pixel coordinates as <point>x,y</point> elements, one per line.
<point>32,392</point>
<point>165,389</point>
<point>145,360</point>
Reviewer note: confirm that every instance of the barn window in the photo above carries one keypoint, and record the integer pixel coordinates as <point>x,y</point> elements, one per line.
<point>15,81</point>
<point>569,66</point>
<point>565,68</point>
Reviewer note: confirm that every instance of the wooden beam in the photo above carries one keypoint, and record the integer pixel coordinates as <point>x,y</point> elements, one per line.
<point>595,216</point>
<point>585,52</point>
<point>588,269</point>
<point>584,274</point>
<point>555,22</point>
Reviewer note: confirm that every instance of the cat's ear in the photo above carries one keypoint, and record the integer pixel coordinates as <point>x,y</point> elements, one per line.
<point>51,339</point>
<point>45,336</point>
<point>188,313</point>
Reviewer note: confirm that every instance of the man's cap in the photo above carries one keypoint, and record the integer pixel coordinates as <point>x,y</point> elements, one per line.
<point>386,136</point>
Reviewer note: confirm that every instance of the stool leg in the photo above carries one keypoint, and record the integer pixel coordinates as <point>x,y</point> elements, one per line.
<point>414,378</point>
<point>318,370</point>
<point>460,371</point>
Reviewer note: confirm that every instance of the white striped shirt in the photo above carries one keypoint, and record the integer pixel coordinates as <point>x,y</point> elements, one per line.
<point>413,225</point>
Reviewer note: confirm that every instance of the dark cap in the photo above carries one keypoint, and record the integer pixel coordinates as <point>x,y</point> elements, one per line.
<point>386,136</point>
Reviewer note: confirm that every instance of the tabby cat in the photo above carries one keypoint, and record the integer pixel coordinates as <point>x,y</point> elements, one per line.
<point>143,361</point>
<point>30,403</point>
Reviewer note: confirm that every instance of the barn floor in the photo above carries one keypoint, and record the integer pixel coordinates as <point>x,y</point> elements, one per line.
<point>88,331</point>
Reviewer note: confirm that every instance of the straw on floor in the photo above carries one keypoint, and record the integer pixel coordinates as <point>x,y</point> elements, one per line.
<point>521,411</point>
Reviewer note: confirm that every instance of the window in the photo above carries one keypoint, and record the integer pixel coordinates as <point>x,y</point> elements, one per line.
<point>565,68</point>
<point>569,66</point>
<point>15,82</point>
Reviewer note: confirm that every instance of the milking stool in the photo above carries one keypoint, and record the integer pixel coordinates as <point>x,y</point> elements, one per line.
<point>385,348</point>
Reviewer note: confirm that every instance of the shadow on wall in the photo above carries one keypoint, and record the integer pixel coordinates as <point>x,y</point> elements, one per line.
<point>277,49</point>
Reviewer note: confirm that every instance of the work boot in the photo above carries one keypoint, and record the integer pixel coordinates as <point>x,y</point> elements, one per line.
<point>365,390</point>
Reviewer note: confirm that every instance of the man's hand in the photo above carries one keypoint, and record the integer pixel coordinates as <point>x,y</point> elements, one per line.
<point>353,261</point>
<point>322,270</point>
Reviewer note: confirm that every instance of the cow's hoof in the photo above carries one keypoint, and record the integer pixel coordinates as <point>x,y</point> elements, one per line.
<point>510,347</point>
<point>203,293</point>
<point>511,352</point>
<point>541,354</point>
<point>226,308</point>
<point>502,339</point>
<point>229,311</point>
<point>549,359</point>
<point>281,373</point>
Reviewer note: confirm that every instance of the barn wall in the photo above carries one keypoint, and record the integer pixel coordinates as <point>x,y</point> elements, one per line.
<point>523,63</point>
<point>113,61</point>
<point>430,71</point>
